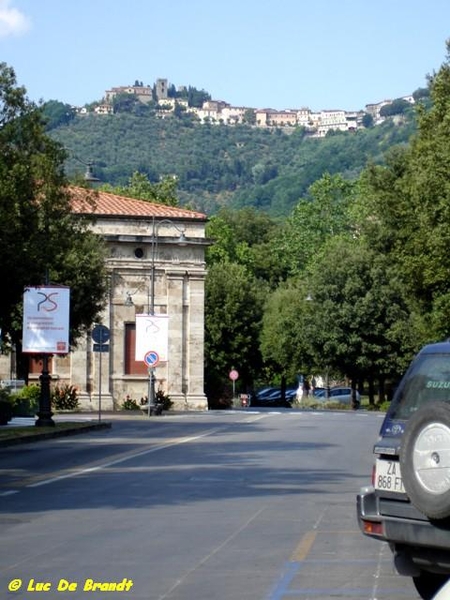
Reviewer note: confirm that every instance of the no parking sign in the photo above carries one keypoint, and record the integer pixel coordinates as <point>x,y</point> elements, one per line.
<point>151,358</point>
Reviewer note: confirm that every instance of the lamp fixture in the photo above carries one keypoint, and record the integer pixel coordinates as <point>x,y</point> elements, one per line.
<point>89,176</point>
<point>129,300</point>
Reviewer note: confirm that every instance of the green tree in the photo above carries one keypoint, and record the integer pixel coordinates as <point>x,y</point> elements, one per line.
<point>405,211</point>
<point>362,327</point>
<point>421,93</point>
<point>396,107</point>
<point>233,312</point>
<point>286,331</point>
<point>125,102</point>
<point>197,97</point>
<point>367,120</point>
<point>57,113</point>
<point>249,116</point>
<point>316,218</point>
<point>40,239</point>
<point>246,237</point>
<point>139,186</point>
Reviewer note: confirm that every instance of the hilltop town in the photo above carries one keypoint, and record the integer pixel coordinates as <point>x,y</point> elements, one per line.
<point>317,124</point>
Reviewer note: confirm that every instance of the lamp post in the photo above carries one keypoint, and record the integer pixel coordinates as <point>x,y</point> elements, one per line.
<point>88,176</point>
<point>181,241</point>
<point>45,410</point>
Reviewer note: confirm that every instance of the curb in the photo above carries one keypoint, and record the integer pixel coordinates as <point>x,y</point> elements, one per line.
<point>53,434</point>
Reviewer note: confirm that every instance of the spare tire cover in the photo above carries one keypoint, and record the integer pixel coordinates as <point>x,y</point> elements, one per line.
<point>425,459</point>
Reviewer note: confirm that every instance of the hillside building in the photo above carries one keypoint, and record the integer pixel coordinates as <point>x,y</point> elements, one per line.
<point>317,124</point>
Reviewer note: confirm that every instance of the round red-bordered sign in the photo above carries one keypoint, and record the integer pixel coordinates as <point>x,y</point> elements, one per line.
<point>233,375</point>
<point>151,358</point>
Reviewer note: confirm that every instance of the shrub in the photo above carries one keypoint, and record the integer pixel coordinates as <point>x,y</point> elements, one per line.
<point>164,399</point>
<point>25,402</point>
<point>64,397</point>
<point>160,398</point>
<point>130,404</point>
<point>4,394</point>
<point>6,412</point>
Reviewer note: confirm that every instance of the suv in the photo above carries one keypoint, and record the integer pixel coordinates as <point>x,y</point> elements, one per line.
<point>408,503</point>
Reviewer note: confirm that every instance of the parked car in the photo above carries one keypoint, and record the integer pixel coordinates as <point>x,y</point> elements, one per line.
<point>408,503</point>
<point>272,397</point>
<point>342,395</point>
<point>266,392</point>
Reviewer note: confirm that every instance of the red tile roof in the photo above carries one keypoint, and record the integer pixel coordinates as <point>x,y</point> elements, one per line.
<point>97,202</point>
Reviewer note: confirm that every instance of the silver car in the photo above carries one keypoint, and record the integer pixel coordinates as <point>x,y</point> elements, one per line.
<point>342,395</point>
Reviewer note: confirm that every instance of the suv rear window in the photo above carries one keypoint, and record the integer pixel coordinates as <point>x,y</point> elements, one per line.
<point>427,380</point>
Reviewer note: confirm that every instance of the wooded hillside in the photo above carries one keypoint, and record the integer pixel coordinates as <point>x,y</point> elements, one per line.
<point>221,165</point>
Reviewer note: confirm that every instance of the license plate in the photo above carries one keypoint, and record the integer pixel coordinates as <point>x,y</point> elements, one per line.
<point>388,477</point>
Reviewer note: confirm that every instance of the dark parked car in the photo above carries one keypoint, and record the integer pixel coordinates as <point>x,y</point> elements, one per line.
<point>272,397</point>
<point>408,503</point>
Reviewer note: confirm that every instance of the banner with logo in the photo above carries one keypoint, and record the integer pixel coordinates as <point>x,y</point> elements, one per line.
<point>152,334</point>
<point>46,320</point>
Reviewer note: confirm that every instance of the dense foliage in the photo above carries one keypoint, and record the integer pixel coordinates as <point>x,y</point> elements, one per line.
<point>234,309</point>
<point>40,241</point>
<point>220,165</point>
<point>364,263</point>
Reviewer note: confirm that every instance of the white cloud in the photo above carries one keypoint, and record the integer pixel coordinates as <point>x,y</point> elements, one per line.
<point>12,21</point>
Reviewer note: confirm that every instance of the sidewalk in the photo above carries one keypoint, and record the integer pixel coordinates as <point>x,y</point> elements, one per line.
<point>92,421</point>
<point>31,433</point>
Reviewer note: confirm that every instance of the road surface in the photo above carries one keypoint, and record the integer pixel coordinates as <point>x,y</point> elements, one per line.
<point>245,505</point>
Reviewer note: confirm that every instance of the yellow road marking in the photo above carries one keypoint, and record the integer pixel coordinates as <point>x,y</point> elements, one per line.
<point>304,547</point>
<point>307,542</point>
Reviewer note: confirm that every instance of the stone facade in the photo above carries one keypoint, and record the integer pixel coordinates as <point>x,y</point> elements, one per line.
<point>143,241</point>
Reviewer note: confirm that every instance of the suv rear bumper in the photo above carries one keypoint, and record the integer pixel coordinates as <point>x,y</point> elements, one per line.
<point>408,532</point>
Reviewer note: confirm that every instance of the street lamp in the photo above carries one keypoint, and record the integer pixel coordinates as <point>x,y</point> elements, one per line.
<point>89,176</point>
<point>181,241</point>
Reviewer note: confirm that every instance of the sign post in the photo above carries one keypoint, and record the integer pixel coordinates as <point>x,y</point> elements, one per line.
<point>233,375</point>
<point>151,359</point>
<point>100,335</point>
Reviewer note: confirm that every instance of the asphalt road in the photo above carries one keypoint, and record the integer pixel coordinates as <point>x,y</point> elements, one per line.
<point>229,506</point>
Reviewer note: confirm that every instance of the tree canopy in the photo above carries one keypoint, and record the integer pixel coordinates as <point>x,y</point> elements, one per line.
<point>216,166</point>
<point>40,239</point>
<point>139,186</point>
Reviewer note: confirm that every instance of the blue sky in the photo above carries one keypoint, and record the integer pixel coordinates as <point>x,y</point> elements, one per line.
<point>323,54</point>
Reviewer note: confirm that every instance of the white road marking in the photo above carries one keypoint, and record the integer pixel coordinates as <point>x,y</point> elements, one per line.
<point>122,459</point>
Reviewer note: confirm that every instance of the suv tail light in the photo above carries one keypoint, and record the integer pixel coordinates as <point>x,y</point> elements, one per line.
<point>373,527</point>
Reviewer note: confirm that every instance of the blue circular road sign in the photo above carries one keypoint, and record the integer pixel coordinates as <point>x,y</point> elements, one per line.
<point>100,334</point>
<point>151,359</point>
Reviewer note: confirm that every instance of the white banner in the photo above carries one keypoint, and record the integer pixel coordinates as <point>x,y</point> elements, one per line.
<point>46,320</point>
<point>152,334</point>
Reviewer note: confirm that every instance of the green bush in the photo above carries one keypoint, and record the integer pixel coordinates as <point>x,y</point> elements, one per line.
<point>64,397</point>
<point>160,396</point>
<point>25,402</point>
<point>129,404</point>
<point>6,412</point>
<point>4,394</point>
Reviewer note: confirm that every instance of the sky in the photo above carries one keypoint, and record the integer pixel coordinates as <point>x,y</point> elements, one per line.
<point>280,54</point>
